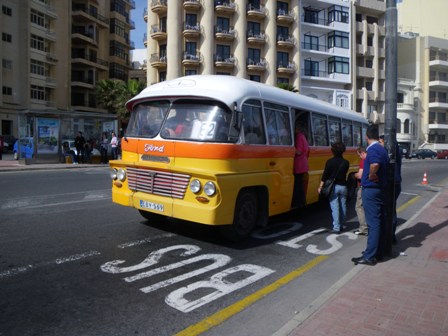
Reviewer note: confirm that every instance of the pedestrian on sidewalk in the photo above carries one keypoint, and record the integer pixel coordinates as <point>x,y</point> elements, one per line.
<point>114,146</point>
<point>373,183</point>
<point>300,167</point>
<point>362,230</point>
<point>80,143</point>
<point>104,147</point>
<point>337,168</point>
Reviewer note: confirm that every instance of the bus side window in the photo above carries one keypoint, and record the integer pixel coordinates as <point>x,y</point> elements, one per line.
<point>320,130</point>
<point>335,130</point>
<point>347,128</point>
<point>253,123</point>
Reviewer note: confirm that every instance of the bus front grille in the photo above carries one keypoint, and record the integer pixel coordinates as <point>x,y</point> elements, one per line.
<point>157,182</point>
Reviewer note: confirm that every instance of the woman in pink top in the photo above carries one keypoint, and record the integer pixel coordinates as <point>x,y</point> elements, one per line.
<point>300,168</point>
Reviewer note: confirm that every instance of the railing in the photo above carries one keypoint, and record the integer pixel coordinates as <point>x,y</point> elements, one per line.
<point>187,56</point>
<point>260,36</point>
<point>259,62</point>
<point>285,38</point>
<point>157,58</point>
<point>290,65</point>
<point>195,27</point>
<point>91,58</point>
<point>225,59</point>
<point>282,12</point>
<point>93,14</point>
<point>258,9</point>
<point>157,29</point>
<point>229,32</point>
<point>437,100</point>
<point>438,78</point>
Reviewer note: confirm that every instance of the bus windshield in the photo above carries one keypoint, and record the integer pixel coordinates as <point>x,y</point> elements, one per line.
<point>183,119</point>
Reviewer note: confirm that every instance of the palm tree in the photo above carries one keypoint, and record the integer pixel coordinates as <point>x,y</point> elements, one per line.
<point>287,86</point>
<point>113,95</point>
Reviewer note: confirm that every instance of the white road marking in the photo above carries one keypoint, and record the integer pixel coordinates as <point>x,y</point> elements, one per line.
<point>145,240</point>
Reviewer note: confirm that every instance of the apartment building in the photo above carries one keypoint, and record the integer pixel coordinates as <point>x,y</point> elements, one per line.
<point>53,53</point>
<point>332,50</point>
<point>424,60</point>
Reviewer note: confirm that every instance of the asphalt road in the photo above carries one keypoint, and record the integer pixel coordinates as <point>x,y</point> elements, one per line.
<point>74,263</point>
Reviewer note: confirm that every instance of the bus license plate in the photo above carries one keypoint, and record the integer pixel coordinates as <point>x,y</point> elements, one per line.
<point>151,205</point>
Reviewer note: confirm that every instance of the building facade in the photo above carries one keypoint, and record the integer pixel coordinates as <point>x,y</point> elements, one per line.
<point>424,59</point>
<point>53,53</point>
<point>332,50</point>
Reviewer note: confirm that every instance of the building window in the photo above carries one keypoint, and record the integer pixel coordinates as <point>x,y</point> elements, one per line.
<point>369,86</point>
<point>282,8</point>
<point>222,52</point>
<point>371,19</point>
<point>37,18</point>
<point>282,33</point>
<point>400,97</point>
<point>311,16</point>
<point>7,64</point>
<point>7,91</point>
<point>118,71</point>
<point>190,72</point>
<point>338,39</point>
<point>37,92</point>
<point>191,20</point>
<point>358,17</point>
<point>6,37</point>
<point>162,76</point>
<point>222,24</point>
<point>253,29</point>
<point>342,100</point>
<point>37,42</point>
<point>37,67</point>
<point>338,14</point>
<point>282,59</point>
<point>254,56</point>
<point>370,41</point>
<point>369,64</point>
<point>311,68</point>
<point>311,42</point>
<point>190,49</point>
<point>117,27</point>
<point>255,78</point>
<point>339,65</point>
<point>398,125</point>
<point>7,11</point>
<point>281,80</point>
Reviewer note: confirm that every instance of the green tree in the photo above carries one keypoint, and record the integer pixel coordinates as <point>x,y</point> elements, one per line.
<point>113,94</point>
<point>288,87</point>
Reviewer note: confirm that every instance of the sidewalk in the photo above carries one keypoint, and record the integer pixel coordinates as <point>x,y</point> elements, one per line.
<point>7,163</point>
<point>404,296</point>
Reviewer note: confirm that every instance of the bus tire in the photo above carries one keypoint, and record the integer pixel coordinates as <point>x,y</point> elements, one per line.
<point>245,217</point>
<point>150,216</point>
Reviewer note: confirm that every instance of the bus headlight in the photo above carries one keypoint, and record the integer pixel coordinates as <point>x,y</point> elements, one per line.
<point>195,186</point>
<point>113,174</point>
<point>121,174</point>
<point>210,188</point>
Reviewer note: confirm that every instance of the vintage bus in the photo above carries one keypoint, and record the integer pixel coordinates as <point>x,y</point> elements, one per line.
<point>219,150</point>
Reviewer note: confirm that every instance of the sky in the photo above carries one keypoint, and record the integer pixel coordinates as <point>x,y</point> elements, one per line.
<point>140,24</point>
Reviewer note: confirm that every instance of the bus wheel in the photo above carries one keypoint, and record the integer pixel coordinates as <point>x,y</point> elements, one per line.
<point>245,218</point>
<point>152,217</point>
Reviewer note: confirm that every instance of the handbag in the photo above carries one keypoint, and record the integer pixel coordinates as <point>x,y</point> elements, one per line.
<point>328,186</point>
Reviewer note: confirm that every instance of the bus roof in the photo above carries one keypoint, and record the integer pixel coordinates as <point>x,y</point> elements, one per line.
<point>231,90</point>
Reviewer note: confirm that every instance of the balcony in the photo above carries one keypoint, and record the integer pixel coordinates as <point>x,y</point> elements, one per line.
<point>224,61</point>
<point>438,125</point>
<point>288,68</point>
<point>191,31</point>
<point>90,60</point>
<point>189,59</point>
<point>438,103</point>
<point>285,41</point>
<point>81,33</point>
<point>256,65</point>
<point>145,14</point>
<point>257,13</point>
<point>225,7</point>
<point>285,17</point>
<point>224,34</point>
<point>80,14</point>
<point>158,33</point>
<point>192,5</point>
<point>157,61</point>
<point>159,6</point>
<point>438,81</point>
<point>256,38</point>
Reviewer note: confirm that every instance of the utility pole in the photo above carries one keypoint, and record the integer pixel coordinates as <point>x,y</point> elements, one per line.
<point>390,130</point>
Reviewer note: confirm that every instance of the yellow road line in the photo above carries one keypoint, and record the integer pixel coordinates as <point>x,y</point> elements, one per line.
<point>231,310</point>
<point>408,203</point>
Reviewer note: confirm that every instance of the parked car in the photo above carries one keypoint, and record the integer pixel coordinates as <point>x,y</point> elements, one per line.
<point>424,153</point>
<point>26,148</point>
<point>442,154</point>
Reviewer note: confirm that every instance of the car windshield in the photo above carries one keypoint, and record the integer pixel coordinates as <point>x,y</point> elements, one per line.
<point>183,119</point>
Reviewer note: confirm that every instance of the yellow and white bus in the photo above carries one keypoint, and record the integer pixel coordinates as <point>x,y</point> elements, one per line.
<point>219,150</point>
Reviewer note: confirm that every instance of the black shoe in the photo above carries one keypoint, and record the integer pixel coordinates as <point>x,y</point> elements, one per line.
<point>335,231</point>
<point>355,260</point>
<point>365,262</point>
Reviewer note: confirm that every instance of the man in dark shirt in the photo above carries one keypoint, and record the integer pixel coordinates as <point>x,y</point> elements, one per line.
<point>373,183</point>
